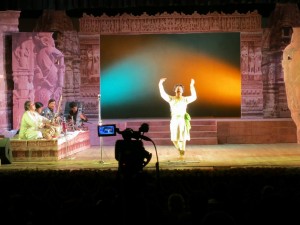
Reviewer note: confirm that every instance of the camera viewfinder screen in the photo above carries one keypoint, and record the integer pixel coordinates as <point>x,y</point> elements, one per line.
<point>107,130</point>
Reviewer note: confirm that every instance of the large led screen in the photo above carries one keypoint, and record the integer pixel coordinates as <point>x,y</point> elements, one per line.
<point>132,65</point>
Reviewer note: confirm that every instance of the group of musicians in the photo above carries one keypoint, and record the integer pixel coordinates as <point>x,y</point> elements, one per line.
<point>43,122</point>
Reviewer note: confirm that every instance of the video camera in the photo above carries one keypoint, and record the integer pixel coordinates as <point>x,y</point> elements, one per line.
<point>129,152</point>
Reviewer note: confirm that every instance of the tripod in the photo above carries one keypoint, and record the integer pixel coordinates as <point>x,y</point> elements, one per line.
<point>100,123</point>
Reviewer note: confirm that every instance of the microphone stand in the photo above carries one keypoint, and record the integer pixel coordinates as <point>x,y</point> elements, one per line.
<point>100,123</point>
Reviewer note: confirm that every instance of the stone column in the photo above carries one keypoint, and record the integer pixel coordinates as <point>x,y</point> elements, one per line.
<point>291,70</point>
<point>23,71</point>
<point>9,21</point>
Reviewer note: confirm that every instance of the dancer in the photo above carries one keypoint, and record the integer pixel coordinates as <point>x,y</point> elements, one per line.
<point>180,119</point>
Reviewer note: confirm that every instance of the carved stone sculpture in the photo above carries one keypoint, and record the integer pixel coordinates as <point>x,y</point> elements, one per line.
<point>38,71</point>
<point>50,70</point>
<point>291,69</point>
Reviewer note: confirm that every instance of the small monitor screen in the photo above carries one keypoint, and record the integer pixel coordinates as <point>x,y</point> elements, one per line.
<point>107,130</point>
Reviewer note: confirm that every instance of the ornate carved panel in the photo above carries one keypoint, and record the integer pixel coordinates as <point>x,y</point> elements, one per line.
<point>171,23</point>
<point>90,72</point>
<point>252,88</point>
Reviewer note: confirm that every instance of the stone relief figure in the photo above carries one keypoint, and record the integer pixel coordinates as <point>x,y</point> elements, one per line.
<point>22,54</point>
<point>96,64</point>
<point>69,74</point>
<point>83,63</point>
<point>244,59</point>
<point>291,70</point>
<point>49,73</point>
<point>89,63</point>
<point>251,61</point>
<point>271,73</point>
<point>30,88</point>
<point>258,59</point>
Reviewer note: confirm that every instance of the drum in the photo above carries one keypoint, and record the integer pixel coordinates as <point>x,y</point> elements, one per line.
<point>49,132</point>
<point>58,130</point>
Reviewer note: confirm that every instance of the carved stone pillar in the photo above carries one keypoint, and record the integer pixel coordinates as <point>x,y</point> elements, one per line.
<point>252,86</point>
<point>69,44</point>
<point>90,72</point>
<point>23,71</point>
<point>291,71</point>
<point>9,21</point>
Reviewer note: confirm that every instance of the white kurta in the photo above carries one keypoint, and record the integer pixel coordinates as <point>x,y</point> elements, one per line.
<point>31,125</point>
<point>179,131</point>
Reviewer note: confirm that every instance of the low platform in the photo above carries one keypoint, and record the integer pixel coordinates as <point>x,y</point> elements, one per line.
<point>49,150</point>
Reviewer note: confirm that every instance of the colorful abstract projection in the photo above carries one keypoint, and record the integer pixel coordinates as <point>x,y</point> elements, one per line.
<point>131,66</point>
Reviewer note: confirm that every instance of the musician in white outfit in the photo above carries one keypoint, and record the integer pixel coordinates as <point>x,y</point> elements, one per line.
<point>35,126</point>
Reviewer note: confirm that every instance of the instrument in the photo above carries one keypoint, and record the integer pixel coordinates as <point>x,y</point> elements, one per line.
<point>79,112</point>
<point>64,126</point>
<point>56,121</point>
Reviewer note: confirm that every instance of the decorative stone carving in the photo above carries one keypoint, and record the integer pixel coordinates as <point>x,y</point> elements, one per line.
<point>252,86</point>
<point>50,68</point>
<point>291,71</point>
<point>67,41</point>
<point>90,72</point>
<point>175,23</point>
<point>38,71</point>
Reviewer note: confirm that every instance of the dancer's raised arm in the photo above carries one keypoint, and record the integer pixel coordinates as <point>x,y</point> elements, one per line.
<point>162,91</point>
<point>193,96</point>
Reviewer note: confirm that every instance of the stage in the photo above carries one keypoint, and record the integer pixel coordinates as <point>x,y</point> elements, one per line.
<point>196,157</point>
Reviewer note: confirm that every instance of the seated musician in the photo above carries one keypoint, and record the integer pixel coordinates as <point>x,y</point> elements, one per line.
<point>48,112</point>
<point>76,117</point>
<point>39,107</point>
<point>35,126</point>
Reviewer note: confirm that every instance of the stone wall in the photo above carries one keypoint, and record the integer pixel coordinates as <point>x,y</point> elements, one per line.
<point>9,21</point>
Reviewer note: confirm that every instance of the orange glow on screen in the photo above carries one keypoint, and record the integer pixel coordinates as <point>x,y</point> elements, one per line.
<point>216,82</point>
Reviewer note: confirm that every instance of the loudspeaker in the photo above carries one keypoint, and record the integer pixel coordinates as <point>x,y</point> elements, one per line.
<point>5,152</point>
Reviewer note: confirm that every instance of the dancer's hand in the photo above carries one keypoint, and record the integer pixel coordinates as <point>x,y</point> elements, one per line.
<point>162,80</point>
<point>192,82</point>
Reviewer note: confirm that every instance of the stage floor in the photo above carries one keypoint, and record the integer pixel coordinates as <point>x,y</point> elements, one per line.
<point>196,157</point>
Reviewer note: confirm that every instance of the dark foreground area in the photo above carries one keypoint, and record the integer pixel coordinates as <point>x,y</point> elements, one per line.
<point>234,196</point>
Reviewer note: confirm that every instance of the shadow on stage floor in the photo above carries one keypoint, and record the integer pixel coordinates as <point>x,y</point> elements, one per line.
<point>167,157</point>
